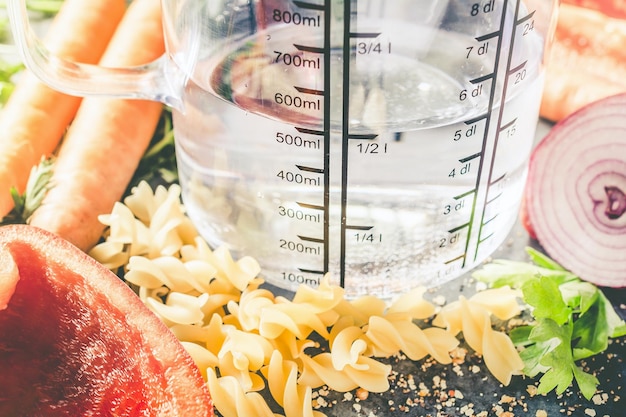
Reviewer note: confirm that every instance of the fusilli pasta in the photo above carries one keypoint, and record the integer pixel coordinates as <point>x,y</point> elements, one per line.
<point>244,339</point>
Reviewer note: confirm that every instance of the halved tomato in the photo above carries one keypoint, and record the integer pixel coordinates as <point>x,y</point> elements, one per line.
<point>76,341</point>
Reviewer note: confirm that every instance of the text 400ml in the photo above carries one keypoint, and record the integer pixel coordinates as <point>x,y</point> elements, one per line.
<point>298,178</point>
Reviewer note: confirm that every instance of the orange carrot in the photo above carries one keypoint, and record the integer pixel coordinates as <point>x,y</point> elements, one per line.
<point>587,61</point>
<point>106,141</point>
<point>35,118</point>
<point>613,8</point>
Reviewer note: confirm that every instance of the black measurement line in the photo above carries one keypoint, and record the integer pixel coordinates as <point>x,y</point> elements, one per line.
<point>310,131</point>
<point>476,119</point>
<point>310,169</point>
<point>489,36</point>
<point>364,136</point>
<point>326,131</point>
<point>345,131</point>
<point>494,82</point>
<point>312,49</point>
<point>310,206</point>
<point>505,86</point>
<point>461,227</point>
<point>353,227</point>
<point>311,271</point>
<point>361,34</point>
<point>465,194</point>
<point>311,239</point>
<point>311,6</point>
<point>471,157</point>
<point>525,18</point>
<point>309,91</point>
<point>483,78</point>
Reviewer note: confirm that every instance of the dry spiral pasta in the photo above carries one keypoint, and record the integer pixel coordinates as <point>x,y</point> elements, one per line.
<point>244,339</point>
<point>472,317</point>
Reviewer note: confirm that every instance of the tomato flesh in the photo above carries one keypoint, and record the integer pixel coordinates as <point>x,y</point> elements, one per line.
<point>68,350</point>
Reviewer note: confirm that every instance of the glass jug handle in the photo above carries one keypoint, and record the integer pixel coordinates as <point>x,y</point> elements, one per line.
<point>159,80</point>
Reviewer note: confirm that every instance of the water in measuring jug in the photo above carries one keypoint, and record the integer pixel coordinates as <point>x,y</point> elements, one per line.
<point>398,170</point>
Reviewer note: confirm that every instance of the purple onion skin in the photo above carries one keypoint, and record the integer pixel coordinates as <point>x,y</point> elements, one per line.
<point>575,197</point>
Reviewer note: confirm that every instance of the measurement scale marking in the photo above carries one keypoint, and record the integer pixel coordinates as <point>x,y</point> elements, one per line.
<point>481,79</point>
<point>469,158</point>
<point>363,136</point>
<point>497,180</point>
<point>310,169</point>
<point>327,9</point>
<point>313,49</point>
<point>485,238</point>
<point>311,6</point>
<point>491,219</point>
<point>465,194</point>
<point>311,239</point>
<point>353,227</point>
<point>488,36</point>
<point>476,119</point>
<point>519,67</point>
<point>309,91</point>
<point>500,115</point>
<point>326,128</point>
<point>487,131</point>
<point>311,271</point>
<point>456,229</point>
<point>310,131</point>
<point>525,18</point>
<point>493,199</point>
<point>455,259</point>
<point>310,206</point>
<point>506,126</point>
<point>370,35</point>
<point>345,130</point>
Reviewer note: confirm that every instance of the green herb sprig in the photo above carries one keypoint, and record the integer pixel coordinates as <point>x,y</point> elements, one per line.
<point>158,164</point>
<point>36,188</point>
<point>572,320</point>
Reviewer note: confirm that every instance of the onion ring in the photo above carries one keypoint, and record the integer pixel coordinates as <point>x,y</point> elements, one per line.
<point>575,197</point>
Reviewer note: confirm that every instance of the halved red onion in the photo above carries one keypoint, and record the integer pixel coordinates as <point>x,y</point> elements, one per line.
<point>575,198</point>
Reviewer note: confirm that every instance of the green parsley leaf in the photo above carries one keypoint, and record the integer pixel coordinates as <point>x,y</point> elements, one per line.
<point>543,294</point>
<point>573,320</point>
<point>554,341</point>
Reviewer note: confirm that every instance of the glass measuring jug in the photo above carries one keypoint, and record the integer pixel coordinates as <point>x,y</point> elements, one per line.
<point>382,141</point>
